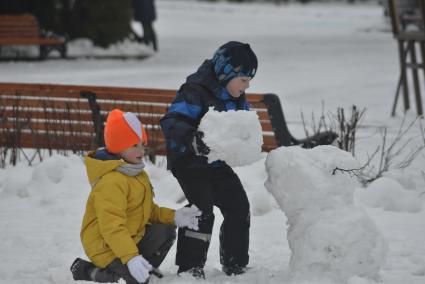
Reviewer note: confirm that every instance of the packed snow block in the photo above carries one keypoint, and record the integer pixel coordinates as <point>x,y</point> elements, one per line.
<point>234,136</point>
<point>336,244</point>
<point>328,236</point>
<point>302,178</point>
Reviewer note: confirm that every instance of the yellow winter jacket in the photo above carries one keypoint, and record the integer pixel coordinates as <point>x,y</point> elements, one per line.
<point>117,211</point>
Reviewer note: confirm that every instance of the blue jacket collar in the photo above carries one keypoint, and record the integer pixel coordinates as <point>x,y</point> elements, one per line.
<point>224,95</point>
<point>103,155</point>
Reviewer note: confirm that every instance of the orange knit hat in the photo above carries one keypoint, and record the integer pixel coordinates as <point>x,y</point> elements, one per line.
<point>123,130</point>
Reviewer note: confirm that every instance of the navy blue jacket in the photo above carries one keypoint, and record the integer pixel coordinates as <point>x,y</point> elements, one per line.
<point>200,92</point>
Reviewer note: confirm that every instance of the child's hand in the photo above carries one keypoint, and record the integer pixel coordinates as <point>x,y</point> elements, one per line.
<point>187,217</point>
<point>139,268</point>
<point>199,145</point>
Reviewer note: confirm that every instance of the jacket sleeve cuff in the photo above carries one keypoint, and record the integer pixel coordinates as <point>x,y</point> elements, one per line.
<point>126,258</point>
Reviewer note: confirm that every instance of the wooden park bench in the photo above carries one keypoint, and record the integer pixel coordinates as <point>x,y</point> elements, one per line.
<point>24,30</point>
<point>67,117</point>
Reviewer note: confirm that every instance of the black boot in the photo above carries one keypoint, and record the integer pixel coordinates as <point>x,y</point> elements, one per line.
<point>81,269</point>
<point>196,272</point>
<point>234,269</point>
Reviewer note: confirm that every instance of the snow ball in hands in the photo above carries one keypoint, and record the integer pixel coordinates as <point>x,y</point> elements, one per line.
<point>234,136</point>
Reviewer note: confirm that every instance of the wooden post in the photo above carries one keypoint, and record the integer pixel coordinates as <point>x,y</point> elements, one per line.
<point>415,77</point>
<point>407,40</point>
<point>422,45</point>
<point>397,93</point>
<point>403,51</point>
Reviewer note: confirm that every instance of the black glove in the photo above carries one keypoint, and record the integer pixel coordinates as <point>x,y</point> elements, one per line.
<point>199,147</point>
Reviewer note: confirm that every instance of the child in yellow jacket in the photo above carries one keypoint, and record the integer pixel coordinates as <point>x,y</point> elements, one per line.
<point>124,233</point>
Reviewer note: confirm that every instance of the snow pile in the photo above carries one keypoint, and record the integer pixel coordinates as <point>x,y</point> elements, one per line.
<point>85,47</point>
<point>15,184</point>
<point>387,193</point>
<point>10,51</point>
<point>41,227</point>
<point>43,183</point>
<point>329,237</point>
<point>234,136</point>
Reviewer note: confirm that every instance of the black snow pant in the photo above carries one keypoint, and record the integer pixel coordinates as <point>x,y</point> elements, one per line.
<point>206,187</point>
<point>154,246</point>
<point>149,35</point>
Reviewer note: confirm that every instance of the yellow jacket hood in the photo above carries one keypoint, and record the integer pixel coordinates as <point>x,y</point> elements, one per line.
<point>98,168</point>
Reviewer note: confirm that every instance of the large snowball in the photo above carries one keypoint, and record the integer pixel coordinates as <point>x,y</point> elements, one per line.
<point>337,244</point>
<point>233,136</point>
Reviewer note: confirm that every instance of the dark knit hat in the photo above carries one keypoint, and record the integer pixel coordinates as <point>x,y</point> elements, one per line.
<point>234,59</point>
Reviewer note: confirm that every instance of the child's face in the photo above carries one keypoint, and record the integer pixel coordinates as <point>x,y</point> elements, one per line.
<point>134,154</point>
<point>238,85</point>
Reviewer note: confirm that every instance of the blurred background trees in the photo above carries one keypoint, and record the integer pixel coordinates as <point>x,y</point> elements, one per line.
<point>103,21</point>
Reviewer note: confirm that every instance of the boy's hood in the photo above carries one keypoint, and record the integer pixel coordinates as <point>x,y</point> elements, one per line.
<point>99,162</point>
<point>205,77</point>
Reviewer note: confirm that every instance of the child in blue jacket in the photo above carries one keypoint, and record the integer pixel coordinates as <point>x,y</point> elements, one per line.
<point>220,83</point>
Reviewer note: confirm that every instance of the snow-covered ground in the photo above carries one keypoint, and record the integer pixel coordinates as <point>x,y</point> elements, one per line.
<point>336,53</point>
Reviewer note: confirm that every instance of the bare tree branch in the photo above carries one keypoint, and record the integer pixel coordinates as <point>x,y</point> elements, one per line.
<point>344,126</point>
<point>356,171</point>
<point>389,152</point>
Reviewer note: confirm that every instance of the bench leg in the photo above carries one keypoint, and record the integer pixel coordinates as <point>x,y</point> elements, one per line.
<point>44,51</point>
<point>63,50</point>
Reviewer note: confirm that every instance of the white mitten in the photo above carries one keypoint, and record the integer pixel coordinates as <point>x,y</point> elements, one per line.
<point>139,268</point>
<point>187,217</point>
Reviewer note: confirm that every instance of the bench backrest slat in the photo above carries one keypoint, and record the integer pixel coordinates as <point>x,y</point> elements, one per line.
<point>47,114</point>
<point>19,26</point>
